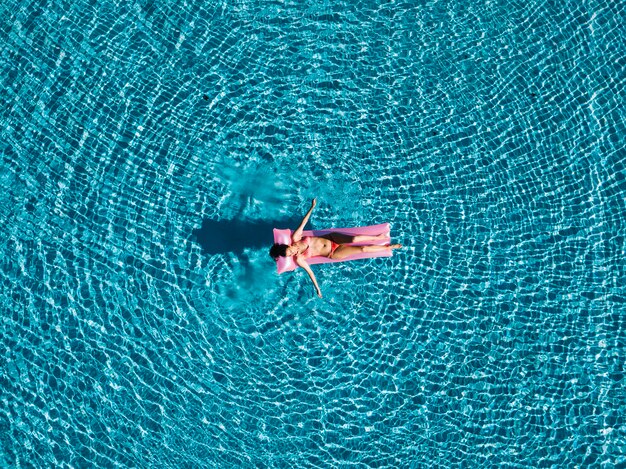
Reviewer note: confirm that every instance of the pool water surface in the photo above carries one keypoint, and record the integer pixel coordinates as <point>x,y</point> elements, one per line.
<point>149,148</point>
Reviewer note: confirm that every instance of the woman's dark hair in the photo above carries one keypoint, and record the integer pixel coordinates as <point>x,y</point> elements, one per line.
<point>278,250</point>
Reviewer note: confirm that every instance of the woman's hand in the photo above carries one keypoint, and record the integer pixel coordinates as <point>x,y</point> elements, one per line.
<point>319,292</point>
<point>314,203</point>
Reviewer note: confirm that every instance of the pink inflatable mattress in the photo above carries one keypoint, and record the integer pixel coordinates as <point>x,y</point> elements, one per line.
<point>287,264</point>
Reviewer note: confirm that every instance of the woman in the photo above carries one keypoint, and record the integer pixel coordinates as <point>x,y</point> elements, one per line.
<point>332,245</point>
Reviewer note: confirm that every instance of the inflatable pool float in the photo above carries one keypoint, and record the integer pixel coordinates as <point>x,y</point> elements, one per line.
<point>287,264</point>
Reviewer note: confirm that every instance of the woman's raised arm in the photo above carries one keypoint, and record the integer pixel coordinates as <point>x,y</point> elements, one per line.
<point>297,235</point>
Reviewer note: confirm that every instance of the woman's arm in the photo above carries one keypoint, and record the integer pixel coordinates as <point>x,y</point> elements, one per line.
<point>297,235</point>
<point>302,263</point>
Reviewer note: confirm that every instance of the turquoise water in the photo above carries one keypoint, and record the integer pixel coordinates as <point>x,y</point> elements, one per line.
<point>149,148</point>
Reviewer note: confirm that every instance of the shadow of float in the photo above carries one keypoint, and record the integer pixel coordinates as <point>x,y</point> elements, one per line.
<point>253,271</point>
<point>226,236</point>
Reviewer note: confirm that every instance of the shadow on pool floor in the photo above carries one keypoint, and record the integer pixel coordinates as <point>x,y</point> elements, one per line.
<point>223,236</point>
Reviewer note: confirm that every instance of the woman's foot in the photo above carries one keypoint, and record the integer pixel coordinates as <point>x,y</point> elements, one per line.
<point>395,246</point>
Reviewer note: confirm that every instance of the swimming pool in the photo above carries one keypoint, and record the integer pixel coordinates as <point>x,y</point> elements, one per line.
<point>147,151</point>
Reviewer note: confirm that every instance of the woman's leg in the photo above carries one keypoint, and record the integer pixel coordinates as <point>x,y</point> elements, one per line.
<point>365,238</point>
<point>341,238</point>
<point>344,251</point>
